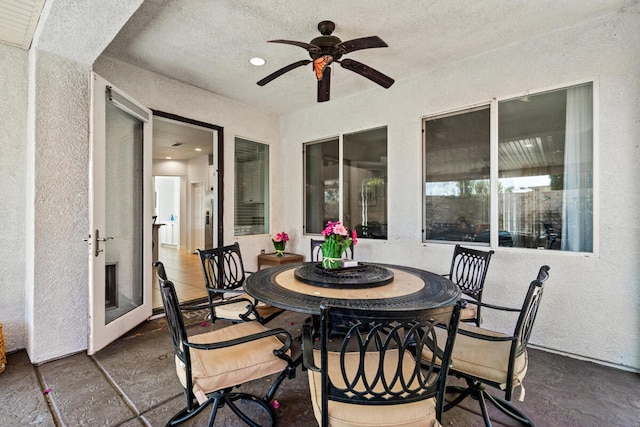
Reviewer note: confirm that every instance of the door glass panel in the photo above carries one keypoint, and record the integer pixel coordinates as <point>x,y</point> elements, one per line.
<point>124,213</point>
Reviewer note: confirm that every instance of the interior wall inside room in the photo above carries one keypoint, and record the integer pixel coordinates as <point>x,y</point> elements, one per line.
<point>582,287</point>
<point>167,192</point>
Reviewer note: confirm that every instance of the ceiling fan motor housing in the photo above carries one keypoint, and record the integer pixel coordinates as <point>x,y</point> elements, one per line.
<point>326,42</point>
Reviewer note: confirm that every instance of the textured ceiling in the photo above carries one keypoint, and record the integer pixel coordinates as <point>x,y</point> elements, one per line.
<point>180,141</point>
<point>208,43</point>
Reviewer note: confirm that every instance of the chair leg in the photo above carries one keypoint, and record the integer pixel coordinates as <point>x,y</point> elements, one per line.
<point>289,373</point>
<point>510,410</point>
<point>477,391</point>
<point>187,414</point>
<point>221,398</point>
<point>231,398</point>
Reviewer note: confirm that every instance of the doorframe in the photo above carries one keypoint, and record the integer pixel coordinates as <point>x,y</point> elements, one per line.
<point>220,171</point>
<point>197,239</point>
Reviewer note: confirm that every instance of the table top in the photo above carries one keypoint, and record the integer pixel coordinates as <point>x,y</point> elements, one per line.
<point>410,289</point>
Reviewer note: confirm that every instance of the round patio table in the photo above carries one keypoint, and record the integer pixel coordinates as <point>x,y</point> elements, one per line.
<point>408,289</point>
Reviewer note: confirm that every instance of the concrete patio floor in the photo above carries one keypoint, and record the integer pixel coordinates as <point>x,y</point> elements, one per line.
<point>132,382</point>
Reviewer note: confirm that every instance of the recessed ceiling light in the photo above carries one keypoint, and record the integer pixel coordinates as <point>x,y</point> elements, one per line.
<point>168,158</point>
<point>198,149</point>
<point>257,61</point>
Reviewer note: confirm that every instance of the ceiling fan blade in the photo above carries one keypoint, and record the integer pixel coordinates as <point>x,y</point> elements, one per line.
<point>283,70</point>
<point>368,72</point>
<point>308,46</point>
<point>324,85</point>
<point>362,43</point>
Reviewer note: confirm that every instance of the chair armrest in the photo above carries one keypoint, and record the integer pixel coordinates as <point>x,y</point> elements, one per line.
<point>246,316</point>
<point>280,352</point>
<point>488,336</point>
<point>493,306</point>
<point>307,349</point>
<point>215,304</point>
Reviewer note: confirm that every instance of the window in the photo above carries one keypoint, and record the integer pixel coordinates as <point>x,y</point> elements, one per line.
<point>358,198</point>
<point>457,165</point>
<point>251,187</point>
<point>544,173</point>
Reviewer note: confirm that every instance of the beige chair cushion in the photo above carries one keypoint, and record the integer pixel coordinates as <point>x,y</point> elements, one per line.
<point>483,359</point>
<point>422,413</point>
<point>233,311</point>
<point>469,312</point>
<point>230,366</point>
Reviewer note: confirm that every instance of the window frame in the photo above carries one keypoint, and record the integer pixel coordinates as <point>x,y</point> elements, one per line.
<point>341,201</point>
<point>494,168</point>
<point>266,188</point>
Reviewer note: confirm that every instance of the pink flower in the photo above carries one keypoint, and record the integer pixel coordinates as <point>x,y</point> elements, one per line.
<point>329,230</point>
<point>354,237</point>
<point>281,237</point>
<point>340,229</point>
<point>337,232</point>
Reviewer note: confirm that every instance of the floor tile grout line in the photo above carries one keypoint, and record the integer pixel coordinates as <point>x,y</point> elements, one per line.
<point>128,401</point>
<point>53,408</point>
<point>132,406</point>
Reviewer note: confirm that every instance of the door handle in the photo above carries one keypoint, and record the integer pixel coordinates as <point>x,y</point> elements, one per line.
<point>97,242</point>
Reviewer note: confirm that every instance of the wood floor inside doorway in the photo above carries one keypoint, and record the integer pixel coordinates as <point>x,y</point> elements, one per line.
<point>184,270</point>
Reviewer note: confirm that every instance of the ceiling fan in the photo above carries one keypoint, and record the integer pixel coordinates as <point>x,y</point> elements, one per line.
<point>325,50</point>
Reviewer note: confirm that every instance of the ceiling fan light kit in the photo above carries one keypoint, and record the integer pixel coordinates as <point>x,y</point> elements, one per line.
<point>326,50</point>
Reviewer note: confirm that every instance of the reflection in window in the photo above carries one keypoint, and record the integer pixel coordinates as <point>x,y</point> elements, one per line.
<point>321,179</point>
<point>456,193</point>
<point>365,182</point>
<point>546,169</point>
<point>251,188</point>
<point>545,173</point>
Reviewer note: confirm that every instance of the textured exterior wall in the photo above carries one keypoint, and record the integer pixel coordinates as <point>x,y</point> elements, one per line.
<point>57,215</point>
<point>587,297</point>
<point>13,137</point>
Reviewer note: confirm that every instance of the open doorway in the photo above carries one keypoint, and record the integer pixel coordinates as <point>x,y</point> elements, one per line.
<point>187,171</point>
<point>189,150</point>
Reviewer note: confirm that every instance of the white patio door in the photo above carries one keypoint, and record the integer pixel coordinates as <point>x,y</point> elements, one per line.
<point>121,197</point>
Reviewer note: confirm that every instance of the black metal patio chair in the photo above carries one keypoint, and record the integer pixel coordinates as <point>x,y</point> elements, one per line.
<point>224,276</point>
<point>210,365</point>
<point>372,376</point>
<point>486,358</point>
<point>468,271</point>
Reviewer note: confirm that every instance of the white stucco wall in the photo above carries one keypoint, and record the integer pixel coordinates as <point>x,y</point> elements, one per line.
<point>163,94</point>
<point>13,136</point>
<point>57,207</point>
<point>591,306</point>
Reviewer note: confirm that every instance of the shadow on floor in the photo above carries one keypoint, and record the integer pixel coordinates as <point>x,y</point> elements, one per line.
<point>133,382</point>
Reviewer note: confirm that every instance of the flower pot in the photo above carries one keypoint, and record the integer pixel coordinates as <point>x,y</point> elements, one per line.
<point>330,263</point>
<point>279,248</point>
